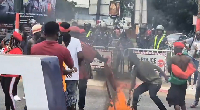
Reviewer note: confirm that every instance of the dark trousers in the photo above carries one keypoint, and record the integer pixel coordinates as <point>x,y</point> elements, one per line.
<point>82,86</point>
<point>197,95</point>
<point>7,84</point>
<point>195,73</point>
<point>153,89</point>
<point>15,86</point>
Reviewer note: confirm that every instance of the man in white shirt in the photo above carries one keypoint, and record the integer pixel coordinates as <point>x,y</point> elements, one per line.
<point>74,46</point>
<point>194,50</point>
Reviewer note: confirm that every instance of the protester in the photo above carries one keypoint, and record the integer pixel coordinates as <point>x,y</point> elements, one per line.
<point>51,47</point>
<point>74,46</point>
<point>8,81</point>
<point>194,46</point>
<point>181,67</point>
<point>36,31</point>
<point>145,71</point>
<point>89,53</point>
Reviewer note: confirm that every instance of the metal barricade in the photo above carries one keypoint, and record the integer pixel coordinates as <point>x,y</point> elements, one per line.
<point>106,52</point>
<point>157,57</point>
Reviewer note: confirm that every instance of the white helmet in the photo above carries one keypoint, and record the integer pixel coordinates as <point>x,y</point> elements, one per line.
<point>160,27</point>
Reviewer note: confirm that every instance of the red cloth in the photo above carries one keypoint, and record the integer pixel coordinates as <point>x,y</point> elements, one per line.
<point>17,36</point>
<point>52,48</point>
<point>198,25</point>
<point>179,44</point>
<point>89,54</point>
<point>183,74</point>
<point>13,51</point>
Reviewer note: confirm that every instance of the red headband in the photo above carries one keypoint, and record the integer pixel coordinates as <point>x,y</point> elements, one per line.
<point>63,29</point>
<point>179,44</point>
<point>17,36</point>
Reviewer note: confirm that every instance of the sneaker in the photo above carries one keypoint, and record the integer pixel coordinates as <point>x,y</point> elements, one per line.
<point>194,87</point>
<point>194,105</point>
<point>17,98</point>
<point>190,87</point>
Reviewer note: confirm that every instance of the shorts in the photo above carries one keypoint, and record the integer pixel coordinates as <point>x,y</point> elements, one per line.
<point>71,95</point>
<point>176,94</point>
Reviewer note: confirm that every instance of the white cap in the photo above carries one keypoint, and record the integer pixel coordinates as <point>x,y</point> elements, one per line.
<point>160,27</point>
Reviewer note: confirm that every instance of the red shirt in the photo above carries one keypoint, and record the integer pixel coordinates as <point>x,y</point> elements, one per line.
<point>13,51</point>
<point>52,48</point>
<point>89,54</point>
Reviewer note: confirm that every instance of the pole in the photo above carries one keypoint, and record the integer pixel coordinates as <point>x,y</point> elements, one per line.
<point>198,9</point>
<point>141,9</point>
<point>98,10</point>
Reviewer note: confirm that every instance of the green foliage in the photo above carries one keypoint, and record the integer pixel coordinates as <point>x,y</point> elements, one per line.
<point>173,14</point>
<point>65,9</point>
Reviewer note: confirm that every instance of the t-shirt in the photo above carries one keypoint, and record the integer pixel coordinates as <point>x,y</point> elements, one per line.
<point>52,48</point>
<point>74,47</point>
<point>193,44</point>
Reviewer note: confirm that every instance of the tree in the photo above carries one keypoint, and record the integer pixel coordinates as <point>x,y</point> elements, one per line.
<point>65,9</point>
<point>173,14</point>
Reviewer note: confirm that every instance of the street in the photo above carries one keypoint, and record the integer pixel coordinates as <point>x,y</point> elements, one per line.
<point>97,97</point>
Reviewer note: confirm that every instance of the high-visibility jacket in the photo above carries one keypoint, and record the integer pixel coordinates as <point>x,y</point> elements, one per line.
<point>156,46</point>
<point>88,34</point>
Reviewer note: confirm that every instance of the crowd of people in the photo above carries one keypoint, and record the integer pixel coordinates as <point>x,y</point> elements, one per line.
<point>61,40</point>
<point>75,55</point>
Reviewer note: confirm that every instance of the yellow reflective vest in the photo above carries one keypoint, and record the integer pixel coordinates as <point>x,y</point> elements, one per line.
<point>88,34</point>
<point>156,46</point>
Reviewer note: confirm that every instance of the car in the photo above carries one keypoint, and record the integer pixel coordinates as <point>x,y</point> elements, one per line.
<point>175,38</point>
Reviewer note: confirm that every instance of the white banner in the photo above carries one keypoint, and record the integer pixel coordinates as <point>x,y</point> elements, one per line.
<point>158,60</point>
<point>105,54</point>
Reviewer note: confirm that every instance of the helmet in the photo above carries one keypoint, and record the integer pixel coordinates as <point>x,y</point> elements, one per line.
<point>160,27</point>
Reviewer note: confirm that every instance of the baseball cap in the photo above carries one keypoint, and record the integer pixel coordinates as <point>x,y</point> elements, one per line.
<point>36,28</point>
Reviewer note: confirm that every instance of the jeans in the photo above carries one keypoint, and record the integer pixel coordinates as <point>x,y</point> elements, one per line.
<point>153,89</point>
<point>195,73</point>
<point>82,86</point>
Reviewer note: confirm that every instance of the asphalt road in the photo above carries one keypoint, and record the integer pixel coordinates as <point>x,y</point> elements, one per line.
<point>97,99</point>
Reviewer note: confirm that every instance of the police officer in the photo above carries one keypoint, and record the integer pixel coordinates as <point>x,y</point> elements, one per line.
<point>142,38</point>
<point>160,39</point>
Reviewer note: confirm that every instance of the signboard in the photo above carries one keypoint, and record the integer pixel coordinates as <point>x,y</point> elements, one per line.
<point>140,9</point>
<point>157,60</point>
<point>40,7</point>
<point>104,7</point>
<point>105,54</point>
<point>114,8</point>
